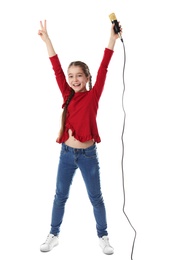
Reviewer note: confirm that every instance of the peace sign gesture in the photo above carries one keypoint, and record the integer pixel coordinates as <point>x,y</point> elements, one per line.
<point>43,31</point>
<point>45,37</point>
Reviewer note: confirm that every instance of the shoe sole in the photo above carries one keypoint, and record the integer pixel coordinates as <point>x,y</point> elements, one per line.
<point>46,251</point>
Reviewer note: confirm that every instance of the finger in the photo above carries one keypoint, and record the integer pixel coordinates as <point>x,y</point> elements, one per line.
<point>41,25</point>
<point>40,32</point>
<point>45,24</point>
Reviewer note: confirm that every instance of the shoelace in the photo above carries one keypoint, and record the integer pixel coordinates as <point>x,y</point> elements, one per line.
<point>106,240</point>
<point>49,238</point>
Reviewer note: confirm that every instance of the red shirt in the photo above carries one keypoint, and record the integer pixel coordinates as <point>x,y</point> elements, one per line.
<point>82,109</point>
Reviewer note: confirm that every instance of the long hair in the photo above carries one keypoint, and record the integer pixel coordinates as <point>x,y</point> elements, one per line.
<point>64,113</point>
<point>86,71</point>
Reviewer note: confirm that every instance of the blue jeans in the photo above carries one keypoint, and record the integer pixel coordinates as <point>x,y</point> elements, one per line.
<point>87,161</point>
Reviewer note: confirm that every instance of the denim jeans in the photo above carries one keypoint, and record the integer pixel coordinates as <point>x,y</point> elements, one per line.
<point>87,161</point>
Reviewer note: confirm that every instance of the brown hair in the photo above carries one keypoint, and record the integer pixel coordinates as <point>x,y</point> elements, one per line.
<point>86,71</point>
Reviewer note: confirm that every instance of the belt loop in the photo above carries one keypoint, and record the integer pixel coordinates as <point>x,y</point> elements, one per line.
<point>66,147</point>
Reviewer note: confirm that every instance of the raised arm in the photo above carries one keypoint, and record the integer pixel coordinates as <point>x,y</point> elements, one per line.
<point>45,37</point>
<point>102,72</point>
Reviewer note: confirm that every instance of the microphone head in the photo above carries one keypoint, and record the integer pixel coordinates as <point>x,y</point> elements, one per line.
<point>112,17</point>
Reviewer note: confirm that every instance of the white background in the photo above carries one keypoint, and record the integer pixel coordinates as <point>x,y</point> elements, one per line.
<point>30,109</point>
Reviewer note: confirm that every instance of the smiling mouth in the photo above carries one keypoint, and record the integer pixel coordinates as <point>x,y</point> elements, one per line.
<point>76,85</point>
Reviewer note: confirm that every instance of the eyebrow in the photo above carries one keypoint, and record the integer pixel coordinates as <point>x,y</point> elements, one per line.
<point>78,73</point>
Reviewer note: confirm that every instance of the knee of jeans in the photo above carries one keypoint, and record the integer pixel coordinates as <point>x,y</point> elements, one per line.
<point>60,199</point>
<point>97,201</point>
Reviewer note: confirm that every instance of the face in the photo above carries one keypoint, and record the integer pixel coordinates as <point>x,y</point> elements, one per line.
<point>77,79</point>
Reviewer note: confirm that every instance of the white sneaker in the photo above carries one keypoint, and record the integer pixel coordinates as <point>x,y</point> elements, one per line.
<point>104,244</point>
<point>50,243</point>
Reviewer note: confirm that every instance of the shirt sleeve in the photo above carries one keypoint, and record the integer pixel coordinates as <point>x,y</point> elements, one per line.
<point>60,76</point>
<point>102,72</point>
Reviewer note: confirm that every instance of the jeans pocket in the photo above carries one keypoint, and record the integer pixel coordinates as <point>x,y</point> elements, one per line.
<point>91,152</point>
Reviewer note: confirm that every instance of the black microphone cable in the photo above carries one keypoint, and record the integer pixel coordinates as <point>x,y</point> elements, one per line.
<point>117,30</point>
<point>122,159</point>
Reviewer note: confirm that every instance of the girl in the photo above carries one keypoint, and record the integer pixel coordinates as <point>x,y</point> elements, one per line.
<point>78,138</point>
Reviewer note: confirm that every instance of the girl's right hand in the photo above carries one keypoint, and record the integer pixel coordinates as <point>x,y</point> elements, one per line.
<point>43,31</point>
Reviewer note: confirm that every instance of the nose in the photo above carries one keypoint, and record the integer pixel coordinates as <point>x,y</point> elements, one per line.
<point>75,78</point>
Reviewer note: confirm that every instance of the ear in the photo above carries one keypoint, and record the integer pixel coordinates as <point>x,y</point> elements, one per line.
<point>88,79</point>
